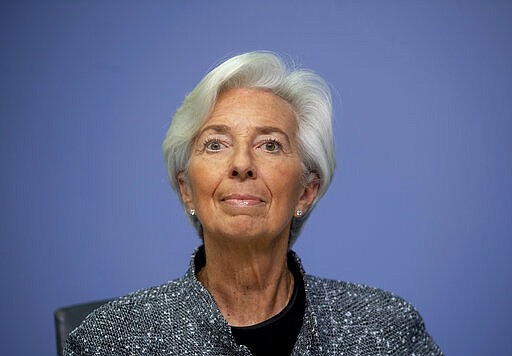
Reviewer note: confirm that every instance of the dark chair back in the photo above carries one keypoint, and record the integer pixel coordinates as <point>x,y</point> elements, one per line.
<point>68,318</point>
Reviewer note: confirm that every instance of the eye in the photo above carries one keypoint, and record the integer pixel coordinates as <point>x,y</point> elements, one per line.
<point>213,145</point>
<point>271,145</point>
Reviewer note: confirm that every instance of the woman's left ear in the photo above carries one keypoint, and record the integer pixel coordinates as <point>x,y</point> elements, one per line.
<point>309,194</point>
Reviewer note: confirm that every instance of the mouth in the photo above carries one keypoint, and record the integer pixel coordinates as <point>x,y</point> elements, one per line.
<point>242,200</point>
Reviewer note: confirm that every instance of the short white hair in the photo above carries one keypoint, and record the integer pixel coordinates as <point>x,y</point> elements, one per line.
<point>305,90</point>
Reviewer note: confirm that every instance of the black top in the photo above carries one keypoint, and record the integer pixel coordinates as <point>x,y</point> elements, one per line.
<point>277,335</point>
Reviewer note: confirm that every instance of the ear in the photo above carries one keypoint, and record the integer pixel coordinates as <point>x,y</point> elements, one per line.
<point>309,194</point>
<point>185,193</point>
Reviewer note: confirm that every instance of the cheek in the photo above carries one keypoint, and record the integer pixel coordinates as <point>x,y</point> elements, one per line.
<point>204,177</point>
<point>286,182</point>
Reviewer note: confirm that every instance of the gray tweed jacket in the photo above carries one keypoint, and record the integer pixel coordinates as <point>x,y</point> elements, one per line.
<point>181,318</point>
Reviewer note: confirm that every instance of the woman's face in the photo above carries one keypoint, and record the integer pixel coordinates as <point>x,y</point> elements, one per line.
<point>244,177</point>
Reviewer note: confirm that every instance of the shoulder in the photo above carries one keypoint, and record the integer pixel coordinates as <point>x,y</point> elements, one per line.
<point>139,315</point>
<point>147,301</point>
<point>355,313</point>
<point>359,298</point>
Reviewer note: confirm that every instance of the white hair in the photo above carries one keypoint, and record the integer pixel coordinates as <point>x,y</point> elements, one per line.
<point>305,90</point>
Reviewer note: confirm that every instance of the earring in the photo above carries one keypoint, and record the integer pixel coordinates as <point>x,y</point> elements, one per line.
<point>298,212</point>
<point>192,212</point>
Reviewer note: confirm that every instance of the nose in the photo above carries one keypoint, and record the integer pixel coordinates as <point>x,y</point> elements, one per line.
<point>242,164</point>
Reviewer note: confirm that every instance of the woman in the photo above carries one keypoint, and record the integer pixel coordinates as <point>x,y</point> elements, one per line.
<point>250,152</point>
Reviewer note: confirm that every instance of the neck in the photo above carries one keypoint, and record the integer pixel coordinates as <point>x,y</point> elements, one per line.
<point>249,282</point>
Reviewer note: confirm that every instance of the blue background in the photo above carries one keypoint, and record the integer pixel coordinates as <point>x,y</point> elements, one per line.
<point>422,196</point>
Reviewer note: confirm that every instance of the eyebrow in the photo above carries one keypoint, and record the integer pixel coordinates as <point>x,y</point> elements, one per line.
<point>270,129</point>
<point>261,129</point>
<point>216,128</point>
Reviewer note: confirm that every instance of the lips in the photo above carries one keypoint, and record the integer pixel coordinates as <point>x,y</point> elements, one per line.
<point>242,200</point>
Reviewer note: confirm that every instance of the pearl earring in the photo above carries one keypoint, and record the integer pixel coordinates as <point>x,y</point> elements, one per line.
<point>298,212</point>
<point>192,212</point>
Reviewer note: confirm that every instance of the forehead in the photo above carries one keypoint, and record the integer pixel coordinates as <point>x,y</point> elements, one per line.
<point>247,108</point>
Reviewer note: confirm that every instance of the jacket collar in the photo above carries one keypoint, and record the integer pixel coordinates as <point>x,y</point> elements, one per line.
<point>204,308</point>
